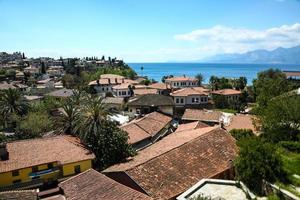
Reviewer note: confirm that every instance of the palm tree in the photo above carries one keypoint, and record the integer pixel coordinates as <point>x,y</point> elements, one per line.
<point>11,102</point>
<point>92,115</point>
<point>69,119</point>
<point>142,69</point>
<point>200,78</point>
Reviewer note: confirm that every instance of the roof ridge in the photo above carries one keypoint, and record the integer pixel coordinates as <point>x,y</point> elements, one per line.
<point>42,138</point>
<point>174,147</point>
<point>77,175</point>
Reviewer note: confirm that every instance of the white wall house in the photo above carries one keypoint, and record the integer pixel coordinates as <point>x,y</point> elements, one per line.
<point>121,90</point>
<point>181,82</point>
<point>106,83</point>
<point>190,96</point>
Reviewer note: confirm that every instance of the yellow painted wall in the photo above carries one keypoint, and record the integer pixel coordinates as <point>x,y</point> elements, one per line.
<point>68,169</point>
<point>7,178</point>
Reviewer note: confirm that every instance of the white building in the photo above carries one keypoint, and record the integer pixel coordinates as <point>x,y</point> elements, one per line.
<point>122,90</point>
<point>181,82</point>
<point>190,96</point>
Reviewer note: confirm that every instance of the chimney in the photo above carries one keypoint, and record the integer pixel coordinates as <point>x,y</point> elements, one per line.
<point>3,151</point>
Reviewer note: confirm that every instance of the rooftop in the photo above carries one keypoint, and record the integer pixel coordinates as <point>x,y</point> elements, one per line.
<point>191,126</point>
<point>143,91</point>
<point>151,100</point>
<point>175,163</point>
<point>146,127</point>
<point>6,86</point>
<point>122,86</point>
<point>159,86</point>
<point>202,115</point>
<point>19,195</point>
<point>94,185</point>
<point>28,153</point>
<point>190,91</point>
<point>181,78</point>
<point>61,93</point>
<point>292,73</point>
<point>217,189</point>
<point>227,92</point>
<point>113,100</point>
<point>241,121</point>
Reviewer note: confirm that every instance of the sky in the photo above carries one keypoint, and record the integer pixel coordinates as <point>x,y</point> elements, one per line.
<point>147,30</point>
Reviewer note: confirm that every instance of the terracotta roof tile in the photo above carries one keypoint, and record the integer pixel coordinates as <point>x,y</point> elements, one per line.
<point>94,185</point>
<point>159,86</point>
<point>227,92</point>
<point>241,122</point>
<point>191,126</point>
<point>202,115</point>
<point>189,92</point>
<point>146,127</point>
<point>171,172</point>
<point>292,73</point>
<point>19,195</point>
<point>144,91</point>
<point>121,86</point>
<point>28,153</point>
<point>164,145</point>
<point>151,100</point>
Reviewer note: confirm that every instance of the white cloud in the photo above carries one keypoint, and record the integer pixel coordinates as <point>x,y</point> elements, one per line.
<point>223,39</point>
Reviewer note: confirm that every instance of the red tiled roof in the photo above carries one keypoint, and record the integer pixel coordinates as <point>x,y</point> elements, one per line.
<point>292,73</point>
<point>191,126</point>
<point>189,92</point>
<point>111,76</point>
<point>227,92</point>
<point>146,127</point>
<point>122,86</point>
<point>94,185</point>
<point>241,122</point>
<point>202,115</point>
<point>28,153</point>
<point>144,91</point>
<point>19,195</point>
<point>159,86</point>
<point>173,170</point>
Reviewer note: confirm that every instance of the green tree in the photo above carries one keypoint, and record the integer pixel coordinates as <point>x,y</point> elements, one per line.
<point>163,79</point>
<point>200,78</point>
<point>106,140</point>
<point>257,161</point>
<point>269,84</point>
<point>68,121</point>
<point>280,119</point>
<point>239,134</point>
<point>213,82</point>
<point>11,102</point>
<point>240,83</point>
<point>34,125</point>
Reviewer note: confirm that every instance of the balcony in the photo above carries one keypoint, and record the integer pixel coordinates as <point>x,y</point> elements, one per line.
<point>44,172</point>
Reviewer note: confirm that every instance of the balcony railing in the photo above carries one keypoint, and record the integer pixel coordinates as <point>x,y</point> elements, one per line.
<point>44,172</point>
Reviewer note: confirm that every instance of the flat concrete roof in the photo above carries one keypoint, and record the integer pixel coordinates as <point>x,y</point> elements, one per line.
<point>217,190</point>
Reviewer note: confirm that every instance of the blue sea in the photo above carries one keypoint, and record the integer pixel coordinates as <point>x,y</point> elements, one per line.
<point>157,70</point>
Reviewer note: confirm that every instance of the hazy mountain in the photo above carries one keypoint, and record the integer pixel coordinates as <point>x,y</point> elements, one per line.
<point>279,55</point>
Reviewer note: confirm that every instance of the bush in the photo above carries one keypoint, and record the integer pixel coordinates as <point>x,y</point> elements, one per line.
<point>239,134</point>
<point>34,125</point>
<point>291,146</point>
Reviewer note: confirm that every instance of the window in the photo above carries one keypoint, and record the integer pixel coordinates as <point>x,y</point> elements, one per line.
<point>120,93</point>
<point>17,181</point>
<point>50,165</point>
<point>197,99</point>
<point>15,173</point>
<point>181,100</point>
<point>35,169</point>
<point>177,100</point>
<point>123,92</point>
<point>193,100</point>
<point>102,89</point>
<point>77,169</point>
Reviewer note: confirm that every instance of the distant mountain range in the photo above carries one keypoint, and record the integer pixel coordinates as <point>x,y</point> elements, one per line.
<point>279,55</point>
